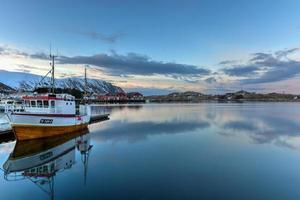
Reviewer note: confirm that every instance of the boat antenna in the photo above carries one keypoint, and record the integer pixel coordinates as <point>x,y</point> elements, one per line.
<point>50,71</point>
<point>85,81</point>
<point>52,57</point>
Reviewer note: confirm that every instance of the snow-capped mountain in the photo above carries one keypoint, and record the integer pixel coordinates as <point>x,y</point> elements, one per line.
<point>26,81</point>
<point>5,88</point>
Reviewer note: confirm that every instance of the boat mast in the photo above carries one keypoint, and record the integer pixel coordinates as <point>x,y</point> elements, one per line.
<point>85,83</point>
<point>52,74</point>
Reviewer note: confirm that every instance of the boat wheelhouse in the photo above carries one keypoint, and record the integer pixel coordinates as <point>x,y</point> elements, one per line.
<point>59,104</point>
<point>48,115</point>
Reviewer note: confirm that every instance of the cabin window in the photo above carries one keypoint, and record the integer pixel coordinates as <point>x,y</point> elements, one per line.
<point>27,103</point>
<point>52,104</point>
<point>45,168</point>
<point>33,104</point>
<point>46,104</point>
<point>67,103</point>
<point>39,103</point>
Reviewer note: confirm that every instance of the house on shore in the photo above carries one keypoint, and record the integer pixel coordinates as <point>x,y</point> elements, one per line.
<point>121,97</point>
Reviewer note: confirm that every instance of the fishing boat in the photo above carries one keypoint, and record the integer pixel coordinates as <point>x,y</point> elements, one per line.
<point>49,114</point>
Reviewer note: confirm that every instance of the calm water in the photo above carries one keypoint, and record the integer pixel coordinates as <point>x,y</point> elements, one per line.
<point>165,151</point>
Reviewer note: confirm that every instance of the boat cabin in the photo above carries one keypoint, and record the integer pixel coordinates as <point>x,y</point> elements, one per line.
<point>50,103</point>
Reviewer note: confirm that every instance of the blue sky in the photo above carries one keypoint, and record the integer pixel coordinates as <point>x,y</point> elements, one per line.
<point>195,33</point>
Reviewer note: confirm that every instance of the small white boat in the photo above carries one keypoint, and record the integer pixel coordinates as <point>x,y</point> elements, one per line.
<point>10,105</point>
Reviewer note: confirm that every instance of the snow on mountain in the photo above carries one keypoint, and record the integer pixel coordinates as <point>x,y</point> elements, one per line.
<point>26,81</point>
<point>5,88</point>
<point>14,78</point>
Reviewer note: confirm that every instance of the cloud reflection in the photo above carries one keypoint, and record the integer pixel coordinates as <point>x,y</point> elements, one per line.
<point>276,124</point>
<point>136,131</point>
<point>264,128</point>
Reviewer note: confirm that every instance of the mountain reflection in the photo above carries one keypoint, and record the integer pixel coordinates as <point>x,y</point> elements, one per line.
<point>110,108</point>
<point>40,160</point>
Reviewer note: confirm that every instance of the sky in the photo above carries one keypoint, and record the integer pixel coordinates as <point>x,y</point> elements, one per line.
<point>157,47</point>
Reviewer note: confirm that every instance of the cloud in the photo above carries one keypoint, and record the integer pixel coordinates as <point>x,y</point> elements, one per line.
<point>227,62</point>
<point>2,50</point>
<point>241,70</point>
<point>211,80</point>
<point>108,38</point>
<point>266,67</point>
<point>148,91</point>
<point>261,56</point>
<point>136,64</point>
<point>280,71</point>
<point>28,69</point>
<point>128,65</point>
<point>285,53</point>
<point>41,56</point>
<point>7,50</point>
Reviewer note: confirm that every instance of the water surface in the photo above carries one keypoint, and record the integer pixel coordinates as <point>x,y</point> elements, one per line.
<point>165,151</point>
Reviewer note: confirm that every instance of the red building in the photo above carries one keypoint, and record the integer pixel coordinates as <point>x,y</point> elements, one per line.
<point>135,96</point>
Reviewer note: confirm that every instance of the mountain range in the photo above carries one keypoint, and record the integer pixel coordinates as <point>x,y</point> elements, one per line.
<point>10,81</point>
<point>6,89</point>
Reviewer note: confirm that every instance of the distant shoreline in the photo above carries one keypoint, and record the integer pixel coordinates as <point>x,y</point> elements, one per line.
<point>229,101</point>
<point>236,97</point>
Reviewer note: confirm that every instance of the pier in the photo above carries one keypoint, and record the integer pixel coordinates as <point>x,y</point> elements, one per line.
<point>99,118</point>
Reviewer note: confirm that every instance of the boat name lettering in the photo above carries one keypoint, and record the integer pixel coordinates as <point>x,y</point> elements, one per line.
<point>46,155</point>
<point>46,121</point>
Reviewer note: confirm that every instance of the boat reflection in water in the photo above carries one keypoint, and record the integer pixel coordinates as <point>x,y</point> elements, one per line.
<point>40,160</point>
